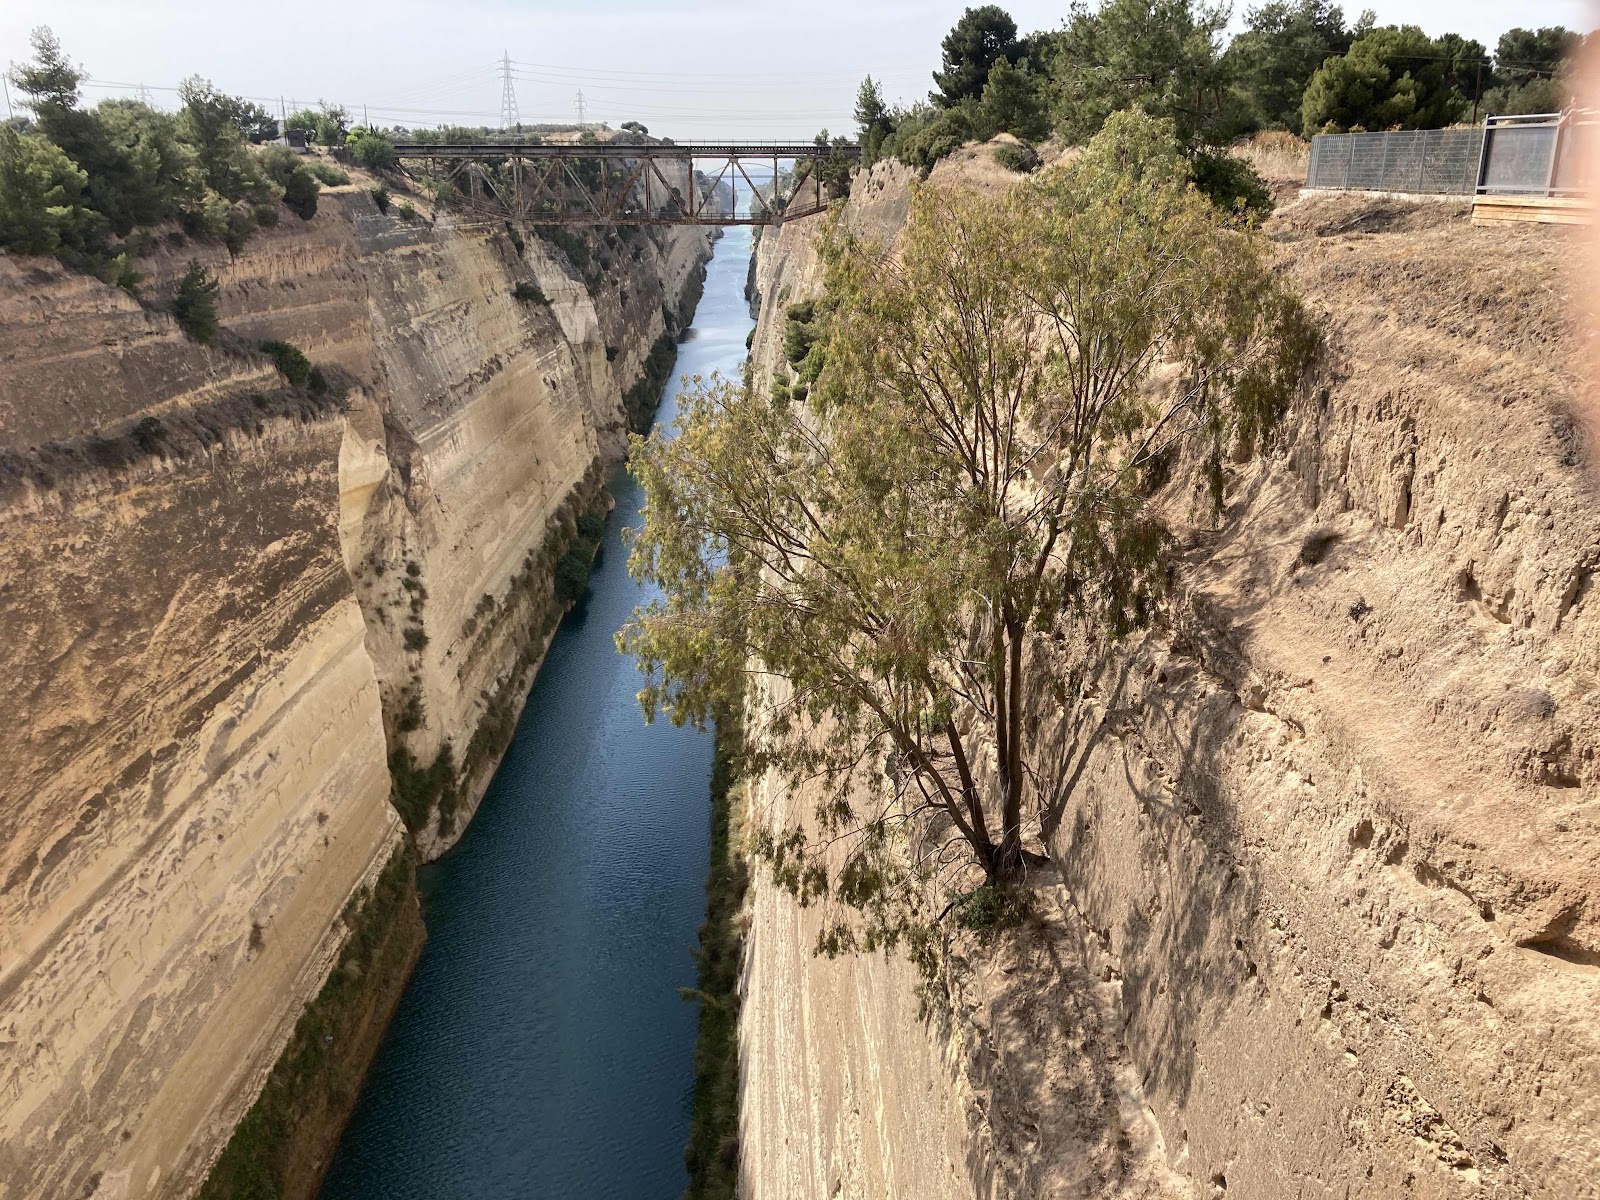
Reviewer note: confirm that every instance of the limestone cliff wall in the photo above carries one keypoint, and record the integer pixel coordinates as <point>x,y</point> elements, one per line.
<point>1326,923</point>
<point>206,671</point>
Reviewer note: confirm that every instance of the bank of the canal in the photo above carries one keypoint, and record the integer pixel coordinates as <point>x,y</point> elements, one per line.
<point>541,1048</point>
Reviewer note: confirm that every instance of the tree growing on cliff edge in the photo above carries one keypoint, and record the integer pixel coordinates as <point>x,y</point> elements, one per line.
<point>871,571</point>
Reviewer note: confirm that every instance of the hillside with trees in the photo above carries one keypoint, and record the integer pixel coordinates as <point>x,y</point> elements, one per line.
<point>87,184</point>
<point>1298,65</point>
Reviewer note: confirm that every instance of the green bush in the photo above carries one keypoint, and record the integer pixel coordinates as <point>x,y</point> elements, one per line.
<point>592,526</point>
<point>328,176</point>
<point>1016,157</point>
<point>407,211</point>
<point>380,197</point>
<point>195,304</point>
<point>371,150</point>
<point>415,638</point>
<point>572,573</point>
<point>296,367</point>
<point>990,909</point>
<point>286,169</point>
<point>1232,184</point>
<point>529,292</point>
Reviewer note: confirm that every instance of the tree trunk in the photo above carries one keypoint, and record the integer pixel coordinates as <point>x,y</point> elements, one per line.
<point>1008,855</point>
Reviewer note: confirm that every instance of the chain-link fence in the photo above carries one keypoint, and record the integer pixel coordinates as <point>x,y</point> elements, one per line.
<point>1531,156</point>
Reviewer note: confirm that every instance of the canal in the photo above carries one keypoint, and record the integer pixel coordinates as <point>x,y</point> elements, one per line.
<point>541,1048</point>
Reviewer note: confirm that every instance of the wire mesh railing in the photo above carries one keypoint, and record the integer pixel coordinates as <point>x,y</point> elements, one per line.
<point>1542,155</point>
<point>1421,161</point>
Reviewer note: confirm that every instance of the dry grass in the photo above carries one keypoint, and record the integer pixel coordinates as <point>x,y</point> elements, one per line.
<point>1279,156</point>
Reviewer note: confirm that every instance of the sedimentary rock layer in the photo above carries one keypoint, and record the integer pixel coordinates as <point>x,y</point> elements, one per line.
<point>203,632</point>
<point>1329,842</point>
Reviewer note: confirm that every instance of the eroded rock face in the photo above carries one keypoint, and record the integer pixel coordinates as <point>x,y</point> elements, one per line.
<point>205,673</point>
<point>1330,843</point>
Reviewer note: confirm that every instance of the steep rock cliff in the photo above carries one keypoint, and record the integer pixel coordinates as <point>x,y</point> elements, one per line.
<point>208,671</point>
<point>1326,918</point>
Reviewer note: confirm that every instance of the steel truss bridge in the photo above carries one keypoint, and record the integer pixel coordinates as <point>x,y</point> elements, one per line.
<point>611,183</point>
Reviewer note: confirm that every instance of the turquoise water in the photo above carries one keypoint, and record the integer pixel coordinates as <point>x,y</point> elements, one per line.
<point>541,1049</point>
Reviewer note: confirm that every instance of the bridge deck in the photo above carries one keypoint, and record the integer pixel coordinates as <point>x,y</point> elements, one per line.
<point>480,150</point>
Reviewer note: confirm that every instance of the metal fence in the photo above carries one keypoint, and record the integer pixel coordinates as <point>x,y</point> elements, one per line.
<point>1543,155</point>
<point>1424,161</point>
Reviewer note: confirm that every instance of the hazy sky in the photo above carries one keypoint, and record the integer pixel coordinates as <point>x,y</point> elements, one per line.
<point>690,69</point>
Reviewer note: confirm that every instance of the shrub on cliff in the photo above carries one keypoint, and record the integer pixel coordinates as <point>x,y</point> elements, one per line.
<point>328,176</point>
<point>1232,184</point>
<point>290,360</point>
<point>194,306</point>
<point>529,292</point>
<point>380,197</point>
<point>956,507</point>
<point>1015,157</point>
<point>371,150</point>
<point>288,170</point>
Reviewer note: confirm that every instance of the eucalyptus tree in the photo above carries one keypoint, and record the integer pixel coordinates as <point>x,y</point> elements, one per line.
<point>870,571</point>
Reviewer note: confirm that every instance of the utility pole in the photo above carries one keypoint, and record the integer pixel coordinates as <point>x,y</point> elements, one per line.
<point>509,118</point>
<point>580,106</point>
<point>5,82</point>
<point>143,95</point>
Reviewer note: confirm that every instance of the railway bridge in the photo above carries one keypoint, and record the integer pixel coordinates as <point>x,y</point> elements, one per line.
<point>630,183</point>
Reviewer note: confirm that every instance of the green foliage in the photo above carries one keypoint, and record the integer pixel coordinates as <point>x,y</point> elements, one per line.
<point>1524,55</point>
<point>800,332</point>
<point>327,124</point>
<point>572,572</point>
<point>328,176</point>
<point>712,1155</point>
<point>1162,56</point>
<point>416,791</point>
<point>209,124</point>
<point>1532,71</point>
<point>50,82</point>
<point>982,37</point>
<point>380,197</point>
<point>1013,102</point>
<point>1015,157</point>
<point>592,526</point>
<point>990,909</point>
<point>1232,184</point>
<point>873,124</point>
<point>529,292</point>
<point>290,360</point>
<point>640,400</point>
<point>924,134</point>
<point>1281,47</point>
<point>415,638</point>
<point>407,211</point>
<point>316,1079</point>
<point>835,168</point>
<point>371,150</point>
<point>1396,77</point>
<point>900,547</point>
<point>39,195</point>
<point>194,306</point>
<point>289,171</point>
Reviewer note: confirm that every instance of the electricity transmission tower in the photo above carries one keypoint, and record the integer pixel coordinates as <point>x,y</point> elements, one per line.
<point>509,118</point>
<point>582,124</point>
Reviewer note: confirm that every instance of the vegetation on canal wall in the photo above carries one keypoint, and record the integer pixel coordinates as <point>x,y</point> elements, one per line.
<point>712,1155</point>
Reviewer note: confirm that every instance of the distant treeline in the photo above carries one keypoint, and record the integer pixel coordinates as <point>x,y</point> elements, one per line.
<point>1296,66</point>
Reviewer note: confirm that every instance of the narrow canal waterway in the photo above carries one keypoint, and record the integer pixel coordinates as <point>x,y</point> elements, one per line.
<point>541,1049</point>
